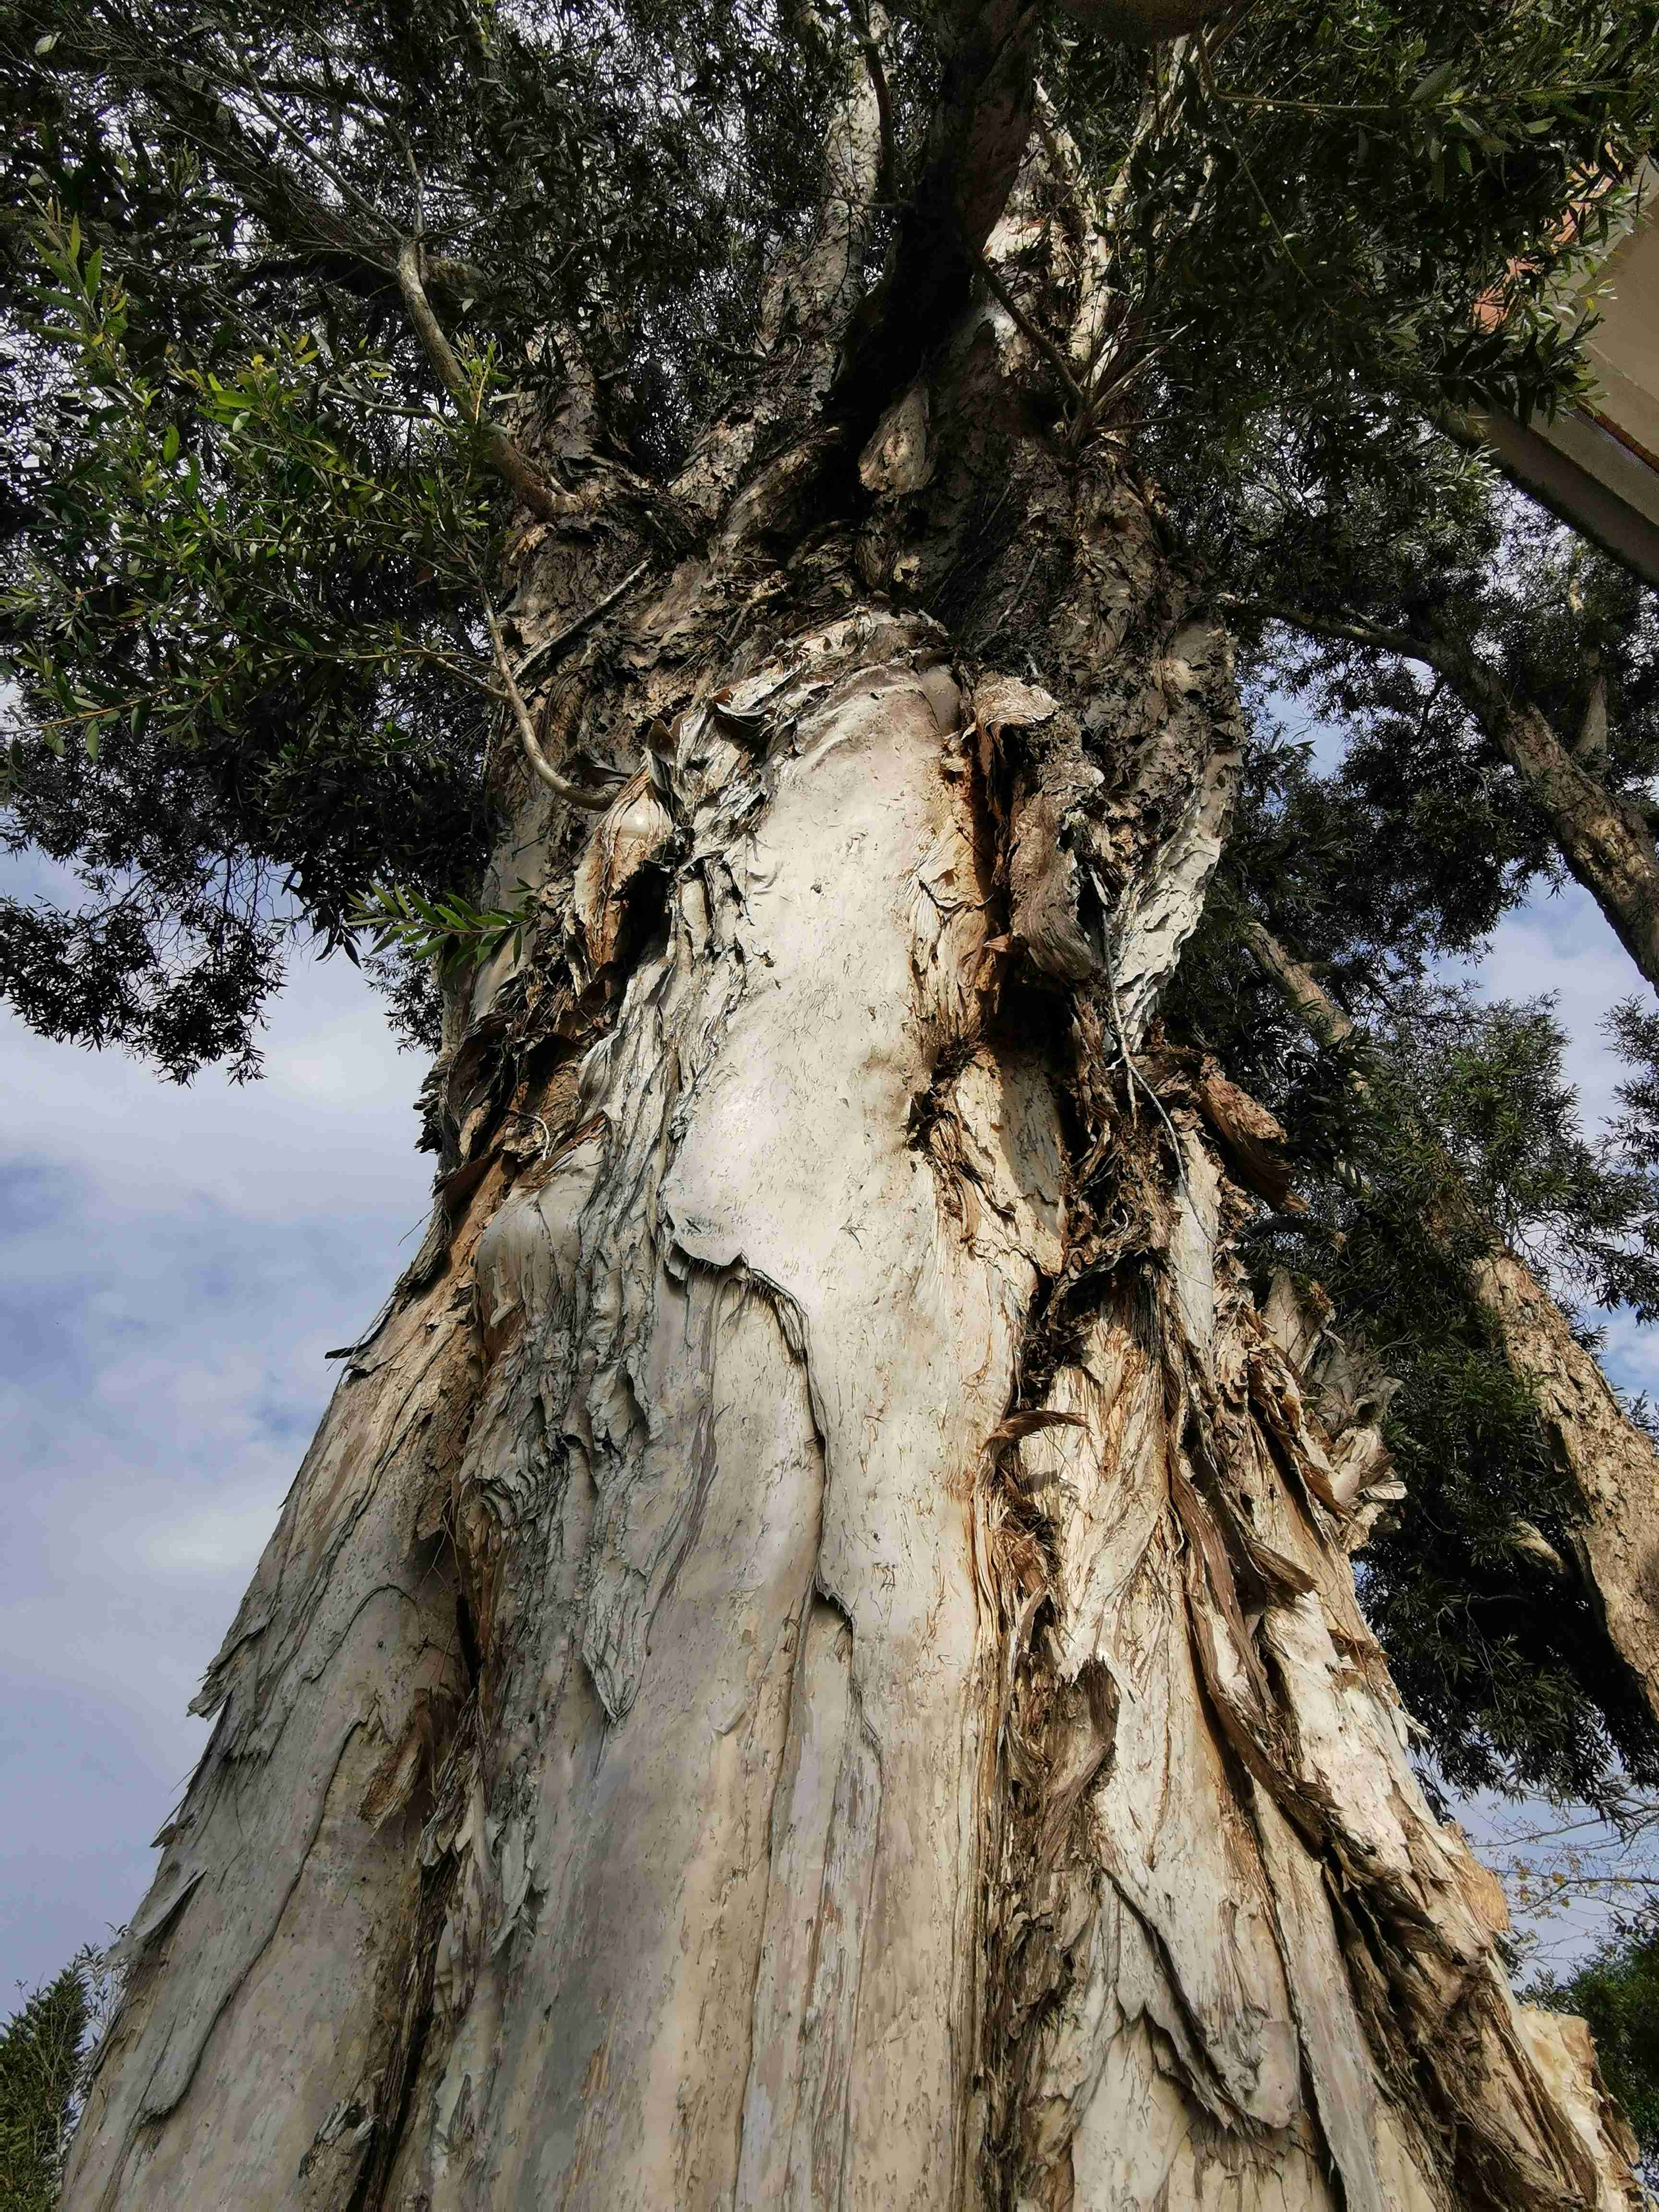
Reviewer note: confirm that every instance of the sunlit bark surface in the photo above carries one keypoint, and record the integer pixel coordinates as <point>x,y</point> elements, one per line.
<point>814,1660</point>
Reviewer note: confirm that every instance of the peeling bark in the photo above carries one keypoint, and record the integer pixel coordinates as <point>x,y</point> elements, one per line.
<point>815,1658</point>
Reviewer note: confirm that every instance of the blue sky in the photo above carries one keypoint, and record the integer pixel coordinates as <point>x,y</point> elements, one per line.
<point>174,1266</point>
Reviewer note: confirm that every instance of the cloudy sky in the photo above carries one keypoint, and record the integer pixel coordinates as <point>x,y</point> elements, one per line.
<point>174,1264</point>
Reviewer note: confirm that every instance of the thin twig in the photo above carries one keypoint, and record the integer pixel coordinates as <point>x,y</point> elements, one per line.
<point>1174,1141</point>
<point>574,794</point>
<point>1111,993</point>
<point>241,69</point>
<point>1044,344</point>
<point>1132,1074</point>
<point>556,643</point>
<point>515,1114</point>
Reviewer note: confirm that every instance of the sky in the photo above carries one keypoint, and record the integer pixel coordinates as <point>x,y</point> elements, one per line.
<point>174,1265</point>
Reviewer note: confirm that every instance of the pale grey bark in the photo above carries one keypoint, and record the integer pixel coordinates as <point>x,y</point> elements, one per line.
<point>815,1659</point>
<point>852,1807</point>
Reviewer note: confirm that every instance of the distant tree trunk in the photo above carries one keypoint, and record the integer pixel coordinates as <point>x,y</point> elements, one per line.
<point>1612,1464</point>
<point>1605,836</point>
<point>814,1659</point>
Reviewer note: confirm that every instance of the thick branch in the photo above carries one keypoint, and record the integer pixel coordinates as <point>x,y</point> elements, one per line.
<point>1608,846</point>
<point>866,26</point>
<point>1590,746</point>
<point>1606,840</point>
<point>1036,337</point>
<point>976,139</point>
<point>508,462</point>
<point>573,794</point>
<point>1297,984</point>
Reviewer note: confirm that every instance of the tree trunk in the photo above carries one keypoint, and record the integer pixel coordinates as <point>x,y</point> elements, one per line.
<point>1605,837</point>
<point>814,1660</point>
<point>1614,1465</point>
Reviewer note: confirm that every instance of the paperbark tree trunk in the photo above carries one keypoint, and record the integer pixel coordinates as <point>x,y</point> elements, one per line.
<point>814,1659</point>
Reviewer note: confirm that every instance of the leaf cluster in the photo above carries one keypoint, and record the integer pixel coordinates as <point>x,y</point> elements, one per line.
<point>242,527</point>
<point>1320,206</point>
<point>1413,536</point>
<point>450,931</point>
<point>40,2063</point>
<point>1472,1136</point>
<point>238,624</point>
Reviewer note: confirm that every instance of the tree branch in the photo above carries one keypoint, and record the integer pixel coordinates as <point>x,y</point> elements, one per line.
<point>508,462</point>
<point>1297,983</point>
<point>887,174</point>
<point>1044,344</point>
<point>1612,1463</point>
<point>1591,744</point>
<point>573,794</point>
<point>551,646</point>
<point>1605,840</point>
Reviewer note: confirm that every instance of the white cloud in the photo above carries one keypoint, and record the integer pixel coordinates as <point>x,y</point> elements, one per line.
<point>1561,945</point>
<point>173,1267</point>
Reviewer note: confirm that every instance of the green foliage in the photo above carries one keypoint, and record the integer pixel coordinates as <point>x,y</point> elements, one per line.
<point>1466,1129</point>
<point>240,524</point>
<point>40,2063</point>
<point>242,528</point>
<point>1322,196</point>
<point>1616,1993</point>
<point>215,533</point>
<point>1634,1030</point>
<point>240,633</point>
<point>449,931</point>
<point>1423,538</point>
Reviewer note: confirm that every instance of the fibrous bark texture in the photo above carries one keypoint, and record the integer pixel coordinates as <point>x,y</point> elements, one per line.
<point>815,1660</point>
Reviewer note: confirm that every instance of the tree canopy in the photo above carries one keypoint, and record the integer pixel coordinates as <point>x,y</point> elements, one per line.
<point>284,287</point>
